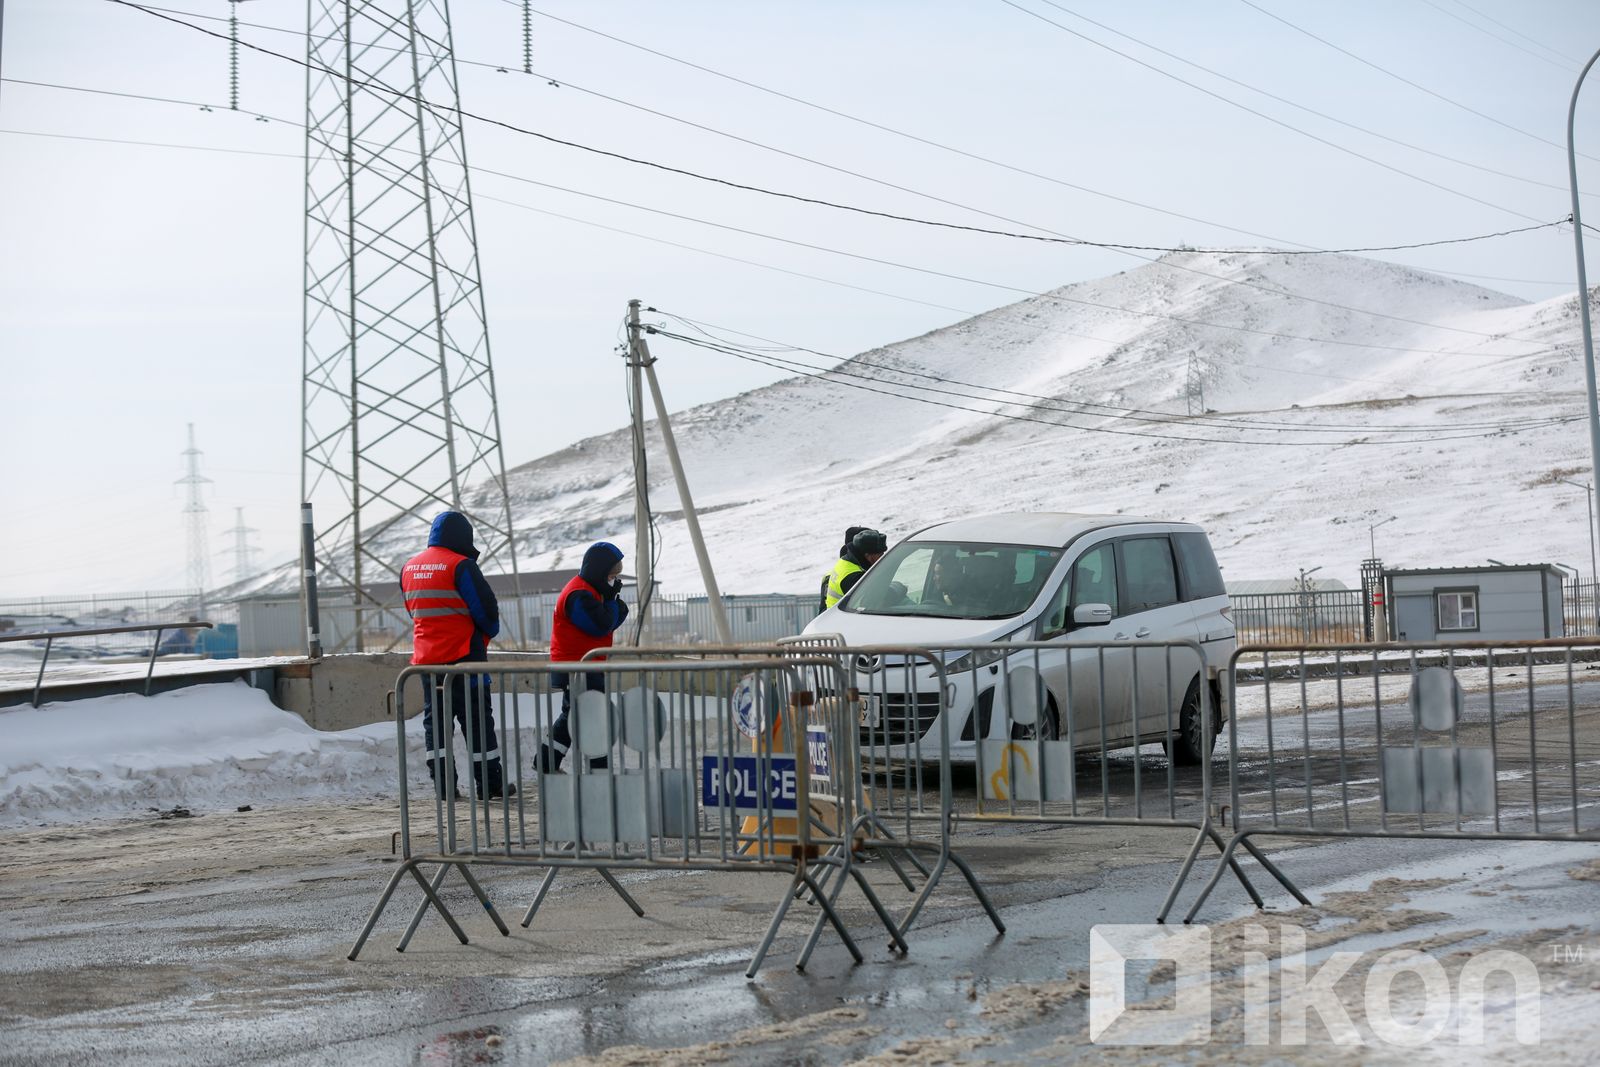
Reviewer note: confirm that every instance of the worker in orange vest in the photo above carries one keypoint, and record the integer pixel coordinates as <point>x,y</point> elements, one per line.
<point>454,615</point>
<point>588,612</point>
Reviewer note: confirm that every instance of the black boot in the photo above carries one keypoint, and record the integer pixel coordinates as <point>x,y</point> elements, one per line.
<point>492,784</point>
<point>437,771</point>
<point>549,759</point>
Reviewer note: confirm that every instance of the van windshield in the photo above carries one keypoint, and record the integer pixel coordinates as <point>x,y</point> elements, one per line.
<point>950,580</point>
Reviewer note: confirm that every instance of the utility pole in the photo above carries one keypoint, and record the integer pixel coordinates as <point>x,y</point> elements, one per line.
<point>644,566</point>
<point>719,617</point>
<point>194,511</point>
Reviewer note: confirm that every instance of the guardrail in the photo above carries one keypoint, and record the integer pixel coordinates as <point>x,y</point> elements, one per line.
<point>1461,740</point>
<point>51,636</point>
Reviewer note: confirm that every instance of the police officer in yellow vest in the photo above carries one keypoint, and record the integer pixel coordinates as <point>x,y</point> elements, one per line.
<point>862,548</point>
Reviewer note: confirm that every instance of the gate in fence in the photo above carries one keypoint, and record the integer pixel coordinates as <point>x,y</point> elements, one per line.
<point>1468,740</point>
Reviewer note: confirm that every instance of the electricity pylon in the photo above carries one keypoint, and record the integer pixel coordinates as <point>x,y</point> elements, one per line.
<point>400,419</point>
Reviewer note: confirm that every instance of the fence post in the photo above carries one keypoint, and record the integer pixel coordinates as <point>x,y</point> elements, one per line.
<point>308,562</point>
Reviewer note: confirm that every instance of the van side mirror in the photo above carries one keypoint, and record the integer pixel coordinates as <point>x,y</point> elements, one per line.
<point>1091,615</point>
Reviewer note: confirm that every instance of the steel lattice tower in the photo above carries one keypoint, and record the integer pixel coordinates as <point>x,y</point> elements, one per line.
<point>400,419</point>
<point>195,517</point>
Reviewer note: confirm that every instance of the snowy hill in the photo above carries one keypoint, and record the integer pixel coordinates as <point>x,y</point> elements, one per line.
<point>1421,397</point>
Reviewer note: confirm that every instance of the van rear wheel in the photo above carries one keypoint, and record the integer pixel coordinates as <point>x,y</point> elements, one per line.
<point>1191,745</point>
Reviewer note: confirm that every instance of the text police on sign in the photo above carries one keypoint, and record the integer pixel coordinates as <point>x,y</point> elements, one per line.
<point>738,783</point>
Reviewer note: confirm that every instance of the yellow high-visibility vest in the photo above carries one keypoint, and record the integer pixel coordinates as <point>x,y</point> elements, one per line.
<point>841,570</point>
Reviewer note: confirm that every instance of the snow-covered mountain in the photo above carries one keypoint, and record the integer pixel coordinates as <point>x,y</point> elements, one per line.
<point>1390,392</point>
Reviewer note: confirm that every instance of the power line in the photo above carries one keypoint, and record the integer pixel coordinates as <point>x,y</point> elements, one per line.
<point>1047,295</point>
<point>1403,79</point>
<point>1055,236</point>
<point>1309,110</point>
<point>1261,114</point>
<point>1576,61</point>
<point>834,376</point>
<point>1567,67</point>
<point>1081,406</point>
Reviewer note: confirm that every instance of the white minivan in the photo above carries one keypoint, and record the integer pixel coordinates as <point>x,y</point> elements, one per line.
<point>1084,583</point>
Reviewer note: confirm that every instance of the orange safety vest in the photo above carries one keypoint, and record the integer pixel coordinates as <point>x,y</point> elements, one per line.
<point>568,642</point>
<point>442,623</point>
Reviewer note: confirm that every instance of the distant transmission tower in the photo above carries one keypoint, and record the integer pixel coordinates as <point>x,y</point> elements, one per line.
<point>194,511</point>
<point>244,552</point>
<point>1194,387</point>
<point>400,419</point>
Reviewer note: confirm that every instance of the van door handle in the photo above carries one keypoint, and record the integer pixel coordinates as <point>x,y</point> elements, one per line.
<point>1120,637</point>
<point>1143,631</point>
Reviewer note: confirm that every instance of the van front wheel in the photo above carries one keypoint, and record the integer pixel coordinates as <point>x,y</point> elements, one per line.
<point>1191,745</point>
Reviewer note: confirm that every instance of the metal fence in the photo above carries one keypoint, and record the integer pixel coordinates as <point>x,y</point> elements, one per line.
<point>1312,617</point>
<point>102,611</point>
<point>1580,608</point>
<point>1466,740</point>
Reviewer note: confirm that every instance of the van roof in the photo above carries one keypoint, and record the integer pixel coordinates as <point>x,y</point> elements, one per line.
<point>1027,527</point>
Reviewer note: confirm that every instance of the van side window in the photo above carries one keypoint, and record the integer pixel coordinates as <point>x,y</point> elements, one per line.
<point>1055,617</point>
<point>1094,579</point>
<point>1198,564</point>
<point>1148,572</point>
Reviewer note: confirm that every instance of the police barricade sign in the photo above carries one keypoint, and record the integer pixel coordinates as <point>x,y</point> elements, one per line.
<point>818,751</point>
<point>750,783</point>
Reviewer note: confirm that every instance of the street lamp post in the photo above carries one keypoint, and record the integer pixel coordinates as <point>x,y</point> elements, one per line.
<point>1583,279</point>
<point>1372,538</point>
<point>1588,496</point>
<point>1594,572</point>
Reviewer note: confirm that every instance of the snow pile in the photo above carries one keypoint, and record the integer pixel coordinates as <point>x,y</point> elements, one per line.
<point>203,747</point>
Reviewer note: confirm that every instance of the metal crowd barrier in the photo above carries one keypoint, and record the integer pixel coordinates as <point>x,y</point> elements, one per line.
<point>869,830</point>
<point>1461,740</point>
<point>928,714</point>
<point>672,768</point>
<point>1055,734</point>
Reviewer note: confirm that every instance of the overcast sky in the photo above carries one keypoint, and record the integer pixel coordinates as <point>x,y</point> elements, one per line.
<point>144,287</point>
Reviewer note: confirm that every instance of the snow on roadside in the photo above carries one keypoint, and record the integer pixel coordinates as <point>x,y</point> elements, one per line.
<point>202,747</point>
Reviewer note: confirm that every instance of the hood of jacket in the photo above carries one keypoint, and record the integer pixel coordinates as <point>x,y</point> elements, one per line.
<point>597,563</point>
<point>452,530</point>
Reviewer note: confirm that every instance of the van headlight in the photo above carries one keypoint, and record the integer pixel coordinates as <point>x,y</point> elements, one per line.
<point>982,657</point>
<point>971,661</point>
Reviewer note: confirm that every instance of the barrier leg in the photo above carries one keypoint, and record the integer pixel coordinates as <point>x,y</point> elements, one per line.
<point>422,909</point>
<point>1272,869</point>
<point>801,882</point>
<point>1238,872</point>
<point>483,898</point>
<point>435,900</point>
<point>377,911</point>
<point>832,916</point>
<point>1211,883</point>
<point>951,856</point>
<point>538,898</point>
<point>1205,833</point>
<point>977,891</point>
<point>616,887</point>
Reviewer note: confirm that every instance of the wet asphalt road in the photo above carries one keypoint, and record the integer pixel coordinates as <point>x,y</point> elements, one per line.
<point>180,944</point>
